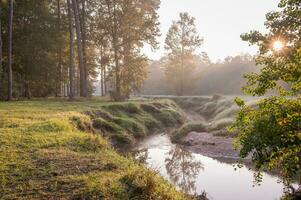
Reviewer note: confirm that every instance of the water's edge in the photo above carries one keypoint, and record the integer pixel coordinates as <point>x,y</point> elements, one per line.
<point>195,173</point>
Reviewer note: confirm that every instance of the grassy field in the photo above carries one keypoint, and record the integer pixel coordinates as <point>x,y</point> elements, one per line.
<point>55,150</point>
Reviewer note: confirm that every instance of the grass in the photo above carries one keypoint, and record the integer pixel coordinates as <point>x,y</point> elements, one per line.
<point>49,150</point>
<point>187,128</point>
<point>217,114</point>
<point>124,123</point>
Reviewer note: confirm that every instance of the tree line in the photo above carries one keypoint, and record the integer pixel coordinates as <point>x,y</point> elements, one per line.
<point>204,78</point>
<point>59,47</point>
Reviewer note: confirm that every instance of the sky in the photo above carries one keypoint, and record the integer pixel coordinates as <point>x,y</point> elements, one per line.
<point>219,22</point>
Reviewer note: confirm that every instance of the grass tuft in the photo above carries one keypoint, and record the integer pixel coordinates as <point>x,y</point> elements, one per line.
<point>107,127</point>
<point>186,129</point>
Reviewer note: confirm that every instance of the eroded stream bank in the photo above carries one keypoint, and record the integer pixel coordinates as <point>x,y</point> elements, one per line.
<point>201,157</point>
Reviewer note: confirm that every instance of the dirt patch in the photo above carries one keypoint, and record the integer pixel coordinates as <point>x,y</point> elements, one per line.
<point>209,145</point>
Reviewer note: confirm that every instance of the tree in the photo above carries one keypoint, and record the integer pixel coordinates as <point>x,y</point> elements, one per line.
<point>84,38</point>
<point>10,40</point>
<point>59,52</point>
<point>71,49</point>
<point>83,83</point>
<point>1,54</point>
<point>271,132</point>
<point>181,42</point>
<point>128,25</point>
<point>43,46</point>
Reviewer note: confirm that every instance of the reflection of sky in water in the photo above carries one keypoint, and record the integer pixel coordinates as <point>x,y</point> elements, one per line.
<point>219,180</point>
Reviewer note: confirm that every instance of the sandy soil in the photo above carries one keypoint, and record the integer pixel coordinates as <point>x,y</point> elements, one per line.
<point>209,145</point>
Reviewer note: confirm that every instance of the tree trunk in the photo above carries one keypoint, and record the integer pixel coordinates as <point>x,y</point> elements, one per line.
<point>102,81</point>
<point>83,85</point>
<point>117,74</point>
<point>117,94</point>
<point>71,58</point>
<point>105,80</point>
<point>101,71</point>
<point>84,39</point>
<point>59,52</point>
<point>1,54</point>
<point>10,42</point>
<point>182,64</point>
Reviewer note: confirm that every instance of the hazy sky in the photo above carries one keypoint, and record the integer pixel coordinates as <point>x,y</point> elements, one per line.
<point>219,22</point>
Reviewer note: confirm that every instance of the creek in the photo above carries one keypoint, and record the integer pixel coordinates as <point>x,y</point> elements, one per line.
<point>195,173</point>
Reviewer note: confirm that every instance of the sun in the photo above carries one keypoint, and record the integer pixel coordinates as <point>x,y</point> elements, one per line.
<point>278,45</point>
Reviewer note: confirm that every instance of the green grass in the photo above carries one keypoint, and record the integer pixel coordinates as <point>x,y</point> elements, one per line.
<point>49,150</point>
<point>187,128</point>
<point>124,123</point>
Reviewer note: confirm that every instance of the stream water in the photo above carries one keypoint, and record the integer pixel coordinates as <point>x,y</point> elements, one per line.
<point>196,174</point>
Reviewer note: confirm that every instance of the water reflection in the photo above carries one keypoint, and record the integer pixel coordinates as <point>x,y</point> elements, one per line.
<point>198,173</point>
<point>183,169</point>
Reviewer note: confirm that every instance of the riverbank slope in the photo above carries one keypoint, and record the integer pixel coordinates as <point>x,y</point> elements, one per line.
<point>55,150</point>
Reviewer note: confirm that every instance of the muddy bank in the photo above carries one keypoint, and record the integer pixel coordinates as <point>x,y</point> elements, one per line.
<point>206,128</point>
<point>209,145</point>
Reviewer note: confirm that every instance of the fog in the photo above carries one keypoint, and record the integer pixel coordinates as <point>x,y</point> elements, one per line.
<point>223,77</point>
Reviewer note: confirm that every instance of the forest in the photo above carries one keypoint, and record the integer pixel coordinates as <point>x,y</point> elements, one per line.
<point>117,100</point>
<point>68,44</point>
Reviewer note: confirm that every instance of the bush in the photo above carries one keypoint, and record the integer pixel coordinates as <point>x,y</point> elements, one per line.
<point>271,134</point>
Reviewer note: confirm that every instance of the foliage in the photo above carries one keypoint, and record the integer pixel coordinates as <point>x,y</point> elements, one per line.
<point>41,40</point>
<point>272,134</point>
<point>128,25</point>
<point>270,131</point>
<point>278,66</point>
<point>181,42</point>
